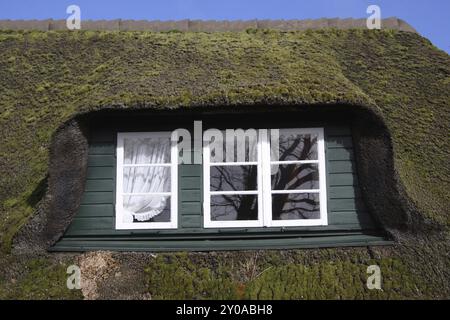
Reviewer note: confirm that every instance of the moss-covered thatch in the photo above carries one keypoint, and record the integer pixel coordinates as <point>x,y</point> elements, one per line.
<point>48,77</point>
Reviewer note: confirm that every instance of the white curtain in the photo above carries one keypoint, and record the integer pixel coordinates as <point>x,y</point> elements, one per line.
<point>148,179</point>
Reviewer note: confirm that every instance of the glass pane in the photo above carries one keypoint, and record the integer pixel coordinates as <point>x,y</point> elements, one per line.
<point>234,207</point>
<point>292,206</point>
<point>146,150</point>
<point>234,145</point>
<point>146,179</point>
<point>295,176</point>
<point>146,208</point>
<point>233,178</point>
<point>294,146</point>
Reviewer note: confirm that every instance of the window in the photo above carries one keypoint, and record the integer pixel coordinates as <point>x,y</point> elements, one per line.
<point>264,178</point>
<point>146,192</point>
<point>232,180</point>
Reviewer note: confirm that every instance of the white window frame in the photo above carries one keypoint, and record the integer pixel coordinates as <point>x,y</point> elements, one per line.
<point>264,190</point>
<point>207,164</point>
<point>322,191</point>
<point>173,223</point>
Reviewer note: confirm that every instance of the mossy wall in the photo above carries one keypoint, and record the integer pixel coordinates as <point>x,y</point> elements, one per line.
<point>48,77</point>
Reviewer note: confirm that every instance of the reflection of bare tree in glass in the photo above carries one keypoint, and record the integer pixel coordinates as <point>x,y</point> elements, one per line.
<point>295,206</point>
<point>294,176</point>
<point>228,180</point>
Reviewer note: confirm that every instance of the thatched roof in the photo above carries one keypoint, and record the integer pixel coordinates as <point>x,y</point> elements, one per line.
<point>48,77</point>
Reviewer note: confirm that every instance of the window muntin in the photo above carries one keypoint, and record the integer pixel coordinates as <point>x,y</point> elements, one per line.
<point>146,193</point>
<point>290,188</point>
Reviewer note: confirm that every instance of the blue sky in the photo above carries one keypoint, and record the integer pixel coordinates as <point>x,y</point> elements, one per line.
<point>429,17</point>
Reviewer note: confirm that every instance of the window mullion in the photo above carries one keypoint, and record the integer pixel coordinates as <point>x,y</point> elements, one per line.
<point>260,179</point>
<point>266,185</point>
<point>206,186</point>
<point>174,183</point>
<point>322,178</point>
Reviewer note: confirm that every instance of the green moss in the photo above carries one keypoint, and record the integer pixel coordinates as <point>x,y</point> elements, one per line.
<point>176,277</point>
<point>332,274</point>
<point>332,280</point>
<point>42,280</point>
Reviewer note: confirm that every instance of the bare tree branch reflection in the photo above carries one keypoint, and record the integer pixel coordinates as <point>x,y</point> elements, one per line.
<point>288,177</point>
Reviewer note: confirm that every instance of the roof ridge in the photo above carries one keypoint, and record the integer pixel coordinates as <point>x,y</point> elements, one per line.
<point>188,25</point>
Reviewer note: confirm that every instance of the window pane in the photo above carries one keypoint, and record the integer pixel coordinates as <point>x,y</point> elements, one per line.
<point>292,206</point>
<point>233,178</point>
<point>295,176</point>
<point>146,179</point>
<point>294,146</point>
<point>146,150</point>
<point>146,208</point>
<point>234,207</point>
<point>234,146</point>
